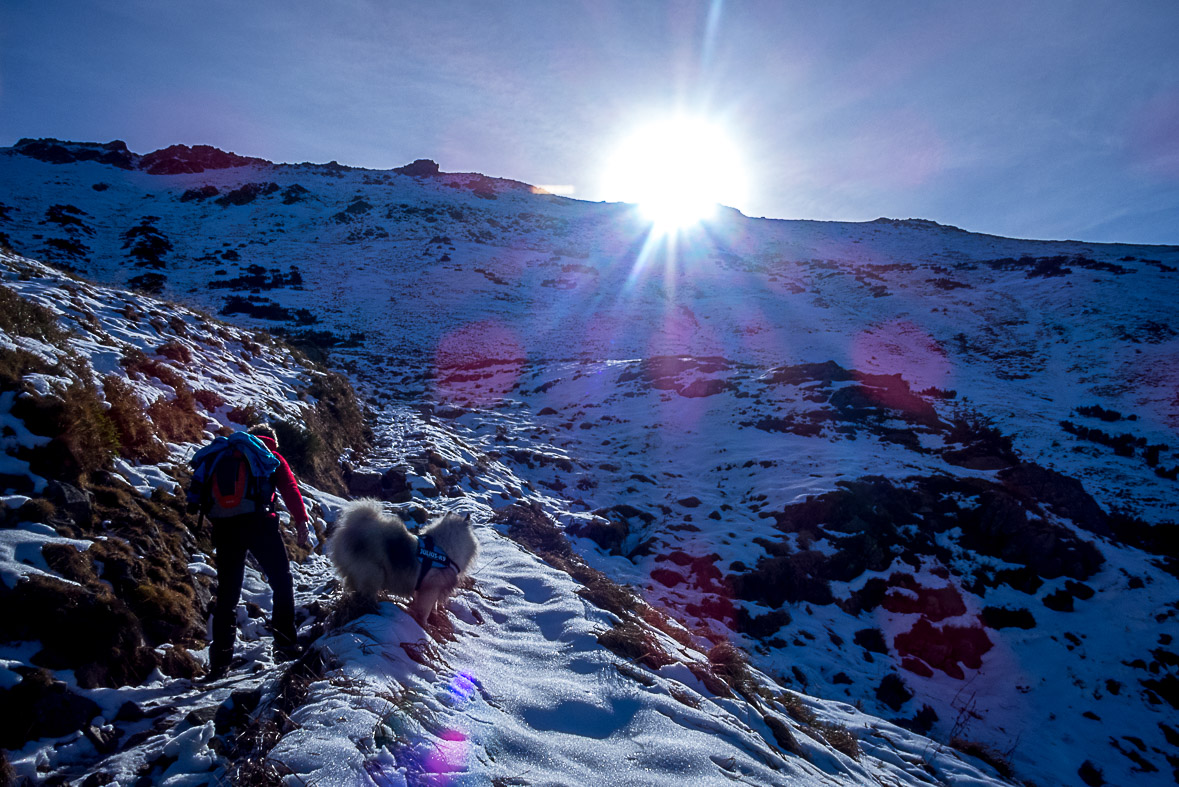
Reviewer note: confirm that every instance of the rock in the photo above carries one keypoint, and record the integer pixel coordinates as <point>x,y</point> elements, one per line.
<point>130,711</point>
<point>364,483</point>
<point>105,740</point>
<point>203,193</point>
<point>1060,601</point>
<point>246,194</point>
<point>41,707</point>
<point>201,716</point>
<point>916,666</point>
<point>1066,496</point>
<point>72,500</point>
<point>921,722</point>
<point>667,577</point>
<point>606,533</point>
<point>179,159</point>
<point>1002,617</point>
<point>55,151</point>
<point>871,639</point>
<point>421,168</point>
<point>395,486</point>
<point>698,389</point>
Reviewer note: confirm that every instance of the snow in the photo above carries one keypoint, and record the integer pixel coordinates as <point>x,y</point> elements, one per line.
<point>550,310</point>
<point>20,551</point>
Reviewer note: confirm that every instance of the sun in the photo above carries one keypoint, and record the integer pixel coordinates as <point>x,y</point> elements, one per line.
<point>677,170</point>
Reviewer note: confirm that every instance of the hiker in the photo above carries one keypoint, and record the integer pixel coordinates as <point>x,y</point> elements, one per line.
<point>243,519</point>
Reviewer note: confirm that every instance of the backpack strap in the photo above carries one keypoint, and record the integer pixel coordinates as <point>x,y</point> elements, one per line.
<point>430,557</point>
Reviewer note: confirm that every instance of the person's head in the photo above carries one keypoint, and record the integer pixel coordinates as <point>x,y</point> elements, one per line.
<point>265,430</point>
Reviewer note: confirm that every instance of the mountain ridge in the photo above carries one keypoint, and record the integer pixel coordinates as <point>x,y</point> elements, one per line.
<point>853,450</point>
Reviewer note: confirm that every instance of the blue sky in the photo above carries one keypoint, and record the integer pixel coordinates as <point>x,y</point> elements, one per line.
<point>1029,119</point>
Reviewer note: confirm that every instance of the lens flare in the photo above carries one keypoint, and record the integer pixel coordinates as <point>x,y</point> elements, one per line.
<point>677,170</point>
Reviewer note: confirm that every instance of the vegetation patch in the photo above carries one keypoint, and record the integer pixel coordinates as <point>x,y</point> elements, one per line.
<point>20,316</point>
<point>866,522</point>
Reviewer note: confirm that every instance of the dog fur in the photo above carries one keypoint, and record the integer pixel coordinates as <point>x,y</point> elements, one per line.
<point>374,551</point>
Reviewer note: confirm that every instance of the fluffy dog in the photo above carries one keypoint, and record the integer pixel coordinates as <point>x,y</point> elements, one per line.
<point>374,551</point>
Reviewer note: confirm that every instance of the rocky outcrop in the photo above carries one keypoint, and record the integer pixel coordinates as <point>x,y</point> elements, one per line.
<point>422,168</point>
<point>181,159</point>
<point>55,151</point>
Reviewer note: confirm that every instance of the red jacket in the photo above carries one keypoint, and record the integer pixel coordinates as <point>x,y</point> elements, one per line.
<point>288,487</point>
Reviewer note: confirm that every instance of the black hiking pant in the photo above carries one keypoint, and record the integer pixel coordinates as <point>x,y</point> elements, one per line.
<point>258,534</point>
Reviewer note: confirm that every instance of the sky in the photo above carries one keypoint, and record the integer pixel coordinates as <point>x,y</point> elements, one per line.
<point>1050,120</point>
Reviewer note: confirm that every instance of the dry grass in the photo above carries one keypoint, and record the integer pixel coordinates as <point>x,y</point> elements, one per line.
<point>22,317</point>
<point>137,435</point>
<point>985,753</point>
<point>15,364</point>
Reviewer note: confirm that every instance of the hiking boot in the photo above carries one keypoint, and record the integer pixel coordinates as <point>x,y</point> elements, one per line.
<point>287,651</point>
<point>215,672</point>
<point>219,663</point>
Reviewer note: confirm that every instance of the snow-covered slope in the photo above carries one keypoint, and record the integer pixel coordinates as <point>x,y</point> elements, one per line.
<point>522,686</point>
<point>924,471</point>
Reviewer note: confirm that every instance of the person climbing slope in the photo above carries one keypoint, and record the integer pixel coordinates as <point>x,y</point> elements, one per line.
<point>235,481</point>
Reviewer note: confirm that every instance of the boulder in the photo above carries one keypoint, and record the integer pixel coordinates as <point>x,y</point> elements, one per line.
<point>421,168</point>
<point>41,707</point>
<point>364,483</point>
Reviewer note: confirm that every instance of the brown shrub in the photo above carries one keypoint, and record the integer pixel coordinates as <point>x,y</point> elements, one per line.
<point>247,415</point>
<point>783,735</point>
<point>175,351</point>
<point>177,419</point>
<point>796,708</point>
<point>530,527</point>
<point>92,633</point>
<point>21,317</point>
<point>15,364</point>
<point>210,400</point>
<point>632,642</point>
<point>731,664</point>
<point>840,738</point>
<point>38,509</point>
<point>83,437</point>
<point>135,361</point>
<point>137,435</point>
<point>984,753</point>
<point>338,424</point>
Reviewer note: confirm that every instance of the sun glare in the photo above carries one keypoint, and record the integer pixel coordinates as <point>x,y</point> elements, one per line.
<point>677,171</point>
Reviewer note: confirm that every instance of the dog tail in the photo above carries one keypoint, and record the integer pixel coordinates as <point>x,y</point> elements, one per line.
<point>357,545</point>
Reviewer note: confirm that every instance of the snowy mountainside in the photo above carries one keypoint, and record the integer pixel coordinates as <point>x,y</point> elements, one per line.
<point>521,684</point>
<point>905,466</point>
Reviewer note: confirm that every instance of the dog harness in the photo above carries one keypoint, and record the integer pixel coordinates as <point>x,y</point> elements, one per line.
<point>430,557</point>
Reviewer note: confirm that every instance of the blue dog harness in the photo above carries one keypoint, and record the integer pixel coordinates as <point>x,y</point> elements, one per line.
<point>430,557</point>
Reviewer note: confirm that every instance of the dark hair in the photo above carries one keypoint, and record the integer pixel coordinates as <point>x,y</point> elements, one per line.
<point>265,430</point>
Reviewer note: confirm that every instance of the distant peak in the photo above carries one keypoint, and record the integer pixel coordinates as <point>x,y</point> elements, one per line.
<point>422,168</point>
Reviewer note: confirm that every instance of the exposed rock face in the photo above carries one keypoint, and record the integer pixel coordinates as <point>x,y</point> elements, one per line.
<point>57,151</point>
<point>172,160</point>
<point>422,168</point>
<point>179,159</point>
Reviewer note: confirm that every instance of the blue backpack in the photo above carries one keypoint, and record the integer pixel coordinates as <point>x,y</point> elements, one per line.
<point>233,476</point>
